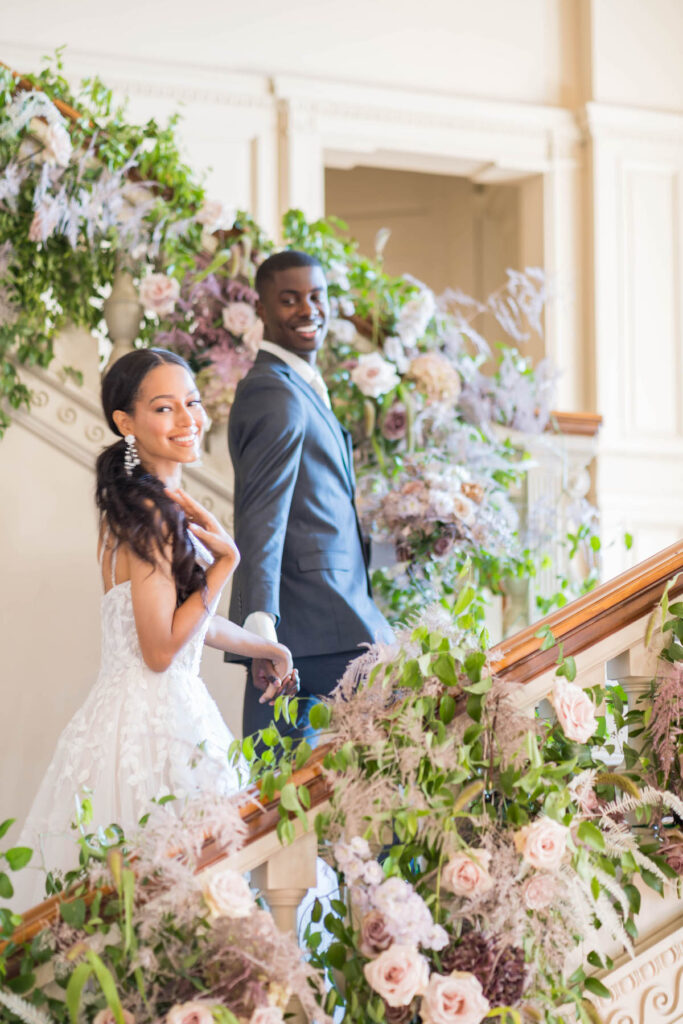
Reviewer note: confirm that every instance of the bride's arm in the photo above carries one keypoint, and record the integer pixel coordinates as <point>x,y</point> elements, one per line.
<point>162,628</point>
<point>225,635</point>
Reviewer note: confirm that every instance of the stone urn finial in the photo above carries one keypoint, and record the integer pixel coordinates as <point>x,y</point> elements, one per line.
<point>122,313</point>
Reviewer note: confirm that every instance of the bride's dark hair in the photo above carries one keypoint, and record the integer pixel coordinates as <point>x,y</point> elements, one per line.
<point>136,508</point>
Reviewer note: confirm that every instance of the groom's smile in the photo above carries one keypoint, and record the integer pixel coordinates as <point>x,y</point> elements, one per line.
<point>295,310</point>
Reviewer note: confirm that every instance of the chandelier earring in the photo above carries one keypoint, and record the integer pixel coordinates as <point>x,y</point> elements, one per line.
<point>131,459</point>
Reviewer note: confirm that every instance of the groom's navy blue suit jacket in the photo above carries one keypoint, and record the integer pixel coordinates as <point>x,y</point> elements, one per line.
<point>303,557</point>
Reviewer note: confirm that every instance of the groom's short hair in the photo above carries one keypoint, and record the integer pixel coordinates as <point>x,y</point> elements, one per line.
<point>284,260</point>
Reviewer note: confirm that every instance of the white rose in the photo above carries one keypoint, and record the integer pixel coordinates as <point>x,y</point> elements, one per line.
<point>190,1013</point>
<point>238,317</point>
<point>213,215</point>
<point>372,873</point>
<point>575,711</point>
<point>337,273</point>
<point>542,844</point>
<point>346,306</point>
<point>463,508</point>
<point>253,336</point>
<point>361,847</point>
<point>393,896</point>
<point>393,349</point>
<point>539,891</point>
<point>159,293</point>
<point>455,998</point>
<point>227,894</point>
<point>466,874</point>
<point>374,376</point>
<point>398,974</point>
<point>343,330</point>
<point>415,316</point>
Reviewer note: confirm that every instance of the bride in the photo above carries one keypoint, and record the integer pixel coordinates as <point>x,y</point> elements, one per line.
<point>164,561</point>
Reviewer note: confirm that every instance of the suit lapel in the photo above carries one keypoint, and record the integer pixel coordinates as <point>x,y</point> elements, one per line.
<point>341,435</point>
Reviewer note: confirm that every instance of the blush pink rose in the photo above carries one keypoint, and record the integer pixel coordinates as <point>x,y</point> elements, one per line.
<point>190,1013</point>
<point>214,215</point>
<point>227,894</point>
<point>455,998</point>
<point>107,1017</point>
<point>539,891</point>
<point>398,974</point>
<point>159,293</point>
<point>542,844</point>
<point>267,1015</point>
<point>575,711</point>
<point>374,376</point>
<point>238,317</point>
<point>466,874</point>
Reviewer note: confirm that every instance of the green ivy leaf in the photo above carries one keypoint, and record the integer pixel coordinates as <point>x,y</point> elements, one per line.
<point>319,716</point>
<point>18,857</point>
<point>596,988</point>
<point>73,912</point>
<point>591,835</point>
<point>6,887</point>
<point>5,826</point>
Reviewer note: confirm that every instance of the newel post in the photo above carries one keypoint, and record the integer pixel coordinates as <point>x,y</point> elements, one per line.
<point>284,879</point>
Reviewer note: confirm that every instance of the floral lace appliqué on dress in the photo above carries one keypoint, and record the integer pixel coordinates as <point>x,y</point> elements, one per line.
<point>139,735</point>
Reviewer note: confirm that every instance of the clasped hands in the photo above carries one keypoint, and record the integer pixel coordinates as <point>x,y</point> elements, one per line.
<point>264,674</point>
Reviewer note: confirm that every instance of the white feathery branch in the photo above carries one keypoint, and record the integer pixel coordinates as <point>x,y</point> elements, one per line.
<point>24,1011</point>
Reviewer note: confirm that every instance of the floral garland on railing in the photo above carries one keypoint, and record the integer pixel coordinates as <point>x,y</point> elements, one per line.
<point>82,193</point>
<point>403,372</point>
<point>484,858</point>
<point>141,937</point>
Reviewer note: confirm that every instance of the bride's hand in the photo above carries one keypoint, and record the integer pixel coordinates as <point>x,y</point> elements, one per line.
<point>206,527</point>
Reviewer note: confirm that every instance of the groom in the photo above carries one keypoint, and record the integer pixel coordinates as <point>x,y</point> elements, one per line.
<point>303,577</point>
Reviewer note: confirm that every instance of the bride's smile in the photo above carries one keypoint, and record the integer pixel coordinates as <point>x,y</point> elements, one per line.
<point>167,421</point>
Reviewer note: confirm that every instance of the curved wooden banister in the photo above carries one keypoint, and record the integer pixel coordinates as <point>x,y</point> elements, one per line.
<point>592,617</point>
<point>585,424</point>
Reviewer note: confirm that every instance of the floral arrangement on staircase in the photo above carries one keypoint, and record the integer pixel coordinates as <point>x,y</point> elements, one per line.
<point>439,442</point>
<point>486,858</point>
<point>151,940</point>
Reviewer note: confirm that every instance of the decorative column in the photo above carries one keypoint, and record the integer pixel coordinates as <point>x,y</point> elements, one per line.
<point>284,879</point>
<point>122,312</point>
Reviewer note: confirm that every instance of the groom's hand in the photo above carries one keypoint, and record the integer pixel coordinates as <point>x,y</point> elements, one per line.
<point>266,679</point>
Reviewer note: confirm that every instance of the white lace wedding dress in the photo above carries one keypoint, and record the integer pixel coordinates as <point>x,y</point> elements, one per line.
<point>139,735</point>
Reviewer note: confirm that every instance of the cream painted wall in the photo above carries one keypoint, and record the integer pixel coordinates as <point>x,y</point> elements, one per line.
<point>446,230</point>
<point>523,51</point>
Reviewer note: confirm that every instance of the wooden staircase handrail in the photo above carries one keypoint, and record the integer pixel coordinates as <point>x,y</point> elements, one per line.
<point>590,618</point>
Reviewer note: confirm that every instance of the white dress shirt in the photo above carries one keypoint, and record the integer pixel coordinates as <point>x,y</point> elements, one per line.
<point>263,623</point>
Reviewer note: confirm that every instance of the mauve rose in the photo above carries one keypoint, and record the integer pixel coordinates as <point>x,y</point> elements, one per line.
<point>466,873</point>
<point>395,422</point>
<point>238,317</point>
<point>442,545</point>
<point>575,711</point>
<point>673,852</point>
<point>375,935</point>
<point>398,974</point>
<point>159,293</point>
<point>455,998</point>
<point>190,1013</point>
<point>542,844</point>
<point>267,1015</point>
<point>539,891</point>
<point>107,1017</point>
<point>227,894</point>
